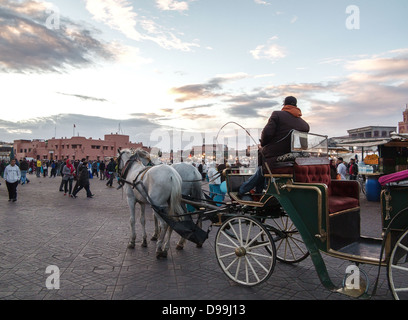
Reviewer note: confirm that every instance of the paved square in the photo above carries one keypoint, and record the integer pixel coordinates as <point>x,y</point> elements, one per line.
<point>87,240</point>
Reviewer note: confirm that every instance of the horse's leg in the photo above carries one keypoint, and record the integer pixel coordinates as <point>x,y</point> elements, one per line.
<point>143,223</point>
<point>180,243</point>
<point>156,230</point>
<point>160,253</point>
<point>132,204</point>
<point>167,244</point>
<point>200,225</point>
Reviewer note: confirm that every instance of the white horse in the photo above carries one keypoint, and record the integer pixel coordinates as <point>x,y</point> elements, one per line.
<point>157,185</point>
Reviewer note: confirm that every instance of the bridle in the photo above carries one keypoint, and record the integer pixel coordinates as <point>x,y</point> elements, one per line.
<point>122,173</point>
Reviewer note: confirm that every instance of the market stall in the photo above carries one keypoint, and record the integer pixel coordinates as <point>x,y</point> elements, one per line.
<point>385,156</point>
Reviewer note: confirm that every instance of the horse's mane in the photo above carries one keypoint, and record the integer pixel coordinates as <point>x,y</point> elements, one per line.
<point>139,152</point>
<point>142,153</point>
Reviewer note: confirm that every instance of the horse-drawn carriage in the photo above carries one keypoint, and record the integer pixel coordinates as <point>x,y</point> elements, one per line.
<point>302,213</point>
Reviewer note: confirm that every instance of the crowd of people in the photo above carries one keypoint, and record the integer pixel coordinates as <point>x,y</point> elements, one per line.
<point>74,175</point>
<point>341,170</point>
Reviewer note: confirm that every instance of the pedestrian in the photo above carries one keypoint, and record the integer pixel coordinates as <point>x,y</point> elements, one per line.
<point>341,169</point>
<point>2,167</point>
<point>353,169</point>
<point>102,170</point>
<point>53,169</point>
<point>214,178</point>
<point>23,169</point>
<point>45,169</point>
<point>111,170</point>
<point>38,167</point>
<point>204,170</point>
<point>83,180</point>
<point>95,168</point>
<point>68,177</point>
<point>77,167</point>
<point>12,175</point>
<point>333,169</point>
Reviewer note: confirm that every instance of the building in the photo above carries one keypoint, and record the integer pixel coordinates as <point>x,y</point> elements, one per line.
<point>371,132</point>
<point>403,126</point>
<point>74,148</point>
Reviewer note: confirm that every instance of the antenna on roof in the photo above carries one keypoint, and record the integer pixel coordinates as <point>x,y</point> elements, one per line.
<point>120,130</point>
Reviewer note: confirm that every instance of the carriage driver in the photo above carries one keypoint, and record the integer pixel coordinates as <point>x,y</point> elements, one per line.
<point>275,141</point>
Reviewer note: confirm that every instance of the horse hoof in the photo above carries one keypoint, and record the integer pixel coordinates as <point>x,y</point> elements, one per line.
<point>154,238</point>
<point>161,254</point>
<point>131,246</point>
<point>178,247</point>
<point>144,243</point>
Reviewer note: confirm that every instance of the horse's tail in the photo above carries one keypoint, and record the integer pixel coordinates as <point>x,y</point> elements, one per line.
<point>175,195</point>
<point>197,190</point>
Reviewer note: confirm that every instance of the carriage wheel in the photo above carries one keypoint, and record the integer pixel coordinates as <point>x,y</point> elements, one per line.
<point>290,248</point>
<point>240,250</point>
<point>397,268</point>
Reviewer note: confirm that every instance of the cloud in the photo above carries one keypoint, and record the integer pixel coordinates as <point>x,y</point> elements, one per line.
<point>172,5</point>
<point>373,91</point>
<point>83,97</point>
<point>262,2</point>
<point>31,42</point>
<point>120,15</point>
<point>269,51</point>
<point>117,14</point>
<point>205,90</point>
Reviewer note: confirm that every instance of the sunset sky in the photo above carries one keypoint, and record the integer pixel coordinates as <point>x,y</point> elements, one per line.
<point>196,64</point>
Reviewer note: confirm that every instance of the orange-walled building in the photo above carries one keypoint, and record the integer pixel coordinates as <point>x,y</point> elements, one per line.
<point>74,148</point>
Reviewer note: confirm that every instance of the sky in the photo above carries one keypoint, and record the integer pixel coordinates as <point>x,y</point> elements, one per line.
<point>139,67</point>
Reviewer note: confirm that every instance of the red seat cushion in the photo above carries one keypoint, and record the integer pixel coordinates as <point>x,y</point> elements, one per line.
<point>342,195</point>
<point>313,174</point>
<point>340,203</point>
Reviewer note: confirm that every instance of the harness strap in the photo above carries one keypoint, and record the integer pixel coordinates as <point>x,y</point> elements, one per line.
<point>141,174</point>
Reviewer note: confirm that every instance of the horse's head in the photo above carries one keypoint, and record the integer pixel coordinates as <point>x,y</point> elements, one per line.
<point>123,157</point>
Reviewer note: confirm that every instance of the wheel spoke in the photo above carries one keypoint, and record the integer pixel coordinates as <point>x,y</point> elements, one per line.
<point>229,238</point>
<point>227,255</point>
<point>250,253</point>
<point>399,267</point>
<point>226,245</point>
<point>402,246</point>
<point>260,264</point>
<point>235,233</point>
<point>259,245</point>
<point>256,237</point>
<point>238,268</point>
<point>252,268</point>
<point>231,264</point>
